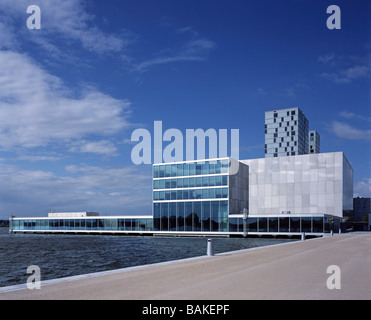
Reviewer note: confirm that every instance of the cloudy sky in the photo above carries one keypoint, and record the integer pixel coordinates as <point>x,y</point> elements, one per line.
<point>72,92</point>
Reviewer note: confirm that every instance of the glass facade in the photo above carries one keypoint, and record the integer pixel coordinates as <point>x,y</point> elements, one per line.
<point>310,224</point>
<point>83,224</point>
<point>191,196</point>
<point>194,216</point>
<point>196,168</point>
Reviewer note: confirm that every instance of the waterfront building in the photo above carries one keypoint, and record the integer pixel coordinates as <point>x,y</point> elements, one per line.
<point>295,189</point>
<point>226,197</point>
<point>198,196</point>
<point>77,222</point>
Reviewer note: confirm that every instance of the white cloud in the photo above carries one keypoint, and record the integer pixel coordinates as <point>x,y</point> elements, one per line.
<point>345,69</point>
<point>351,115</point>
<point>326,58</point>
<point>68,19</point>
<point>194,50</point>
<point>348,75</point>
<point>104,147</point>
<point>363,188</point>
<point>124,190</point>
<point>343,130</point>
<point>36,109</point>
<point>38,158</point>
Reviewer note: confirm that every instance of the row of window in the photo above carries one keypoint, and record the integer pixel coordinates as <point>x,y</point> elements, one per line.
<point>84,224</point>
<point>209,181</point>
<point>281,144</point>
<point>279,134</point>
<point>282,129</point>
<point>280,113</point>
<point>191,169</point>
<point>208,193</point>
<point>281,124</point>
<point>282,149</point>
<point>282,154</point>
<point>186,216</point>
<point>278,224</point>
<point>283,139</point>
<point>285,224</point>
<point>191,216</point>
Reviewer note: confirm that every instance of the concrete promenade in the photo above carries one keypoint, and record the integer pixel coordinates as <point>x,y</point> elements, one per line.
<point>295,270</point>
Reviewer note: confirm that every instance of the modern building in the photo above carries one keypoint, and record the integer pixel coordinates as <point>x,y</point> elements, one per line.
<point>314,142</point>
<point>226,197</point>
<point>78,222</point>
<point>287,134</point>
<point>198,196</point>
<point>290,191</point>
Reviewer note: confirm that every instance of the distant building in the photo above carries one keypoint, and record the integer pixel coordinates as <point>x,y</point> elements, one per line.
<point>287,134</point>
<point>72,214</point>
<point>361,209</point>
<point>314,142</point>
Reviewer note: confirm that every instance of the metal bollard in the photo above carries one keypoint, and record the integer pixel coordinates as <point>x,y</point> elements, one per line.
<point>302,236</point>
<point>331,233</point>
<point>210,247</point>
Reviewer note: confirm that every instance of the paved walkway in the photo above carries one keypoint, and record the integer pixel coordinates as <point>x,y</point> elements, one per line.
<point>295,270</point>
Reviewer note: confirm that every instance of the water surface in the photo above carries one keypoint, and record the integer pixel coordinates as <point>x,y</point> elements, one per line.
<point>60,256</point>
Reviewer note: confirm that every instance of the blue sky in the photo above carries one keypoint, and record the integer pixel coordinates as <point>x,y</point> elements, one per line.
<point>72,92</point>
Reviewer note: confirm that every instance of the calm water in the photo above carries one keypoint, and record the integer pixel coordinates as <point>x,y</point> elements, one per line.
<point>67,255</point>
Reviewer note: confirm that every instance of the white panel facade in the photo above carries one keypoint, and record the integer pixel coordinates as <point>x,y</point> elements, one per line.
<point>304,184</point>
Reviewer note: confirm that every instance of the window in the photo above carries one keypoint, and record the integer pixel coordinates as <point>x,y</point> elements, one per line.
<point>155,184</point>
<point>185,169</point>
<point>263,224</point>
<point>205,194</point>
<point>161,171</point>
<point>198,182</point>
<point>161,184</point>
<point>155,171</point>
<point>198,168</point>
<point>205,181</point>
<point>167,171</point>
<point>173,170</point>
<point>173,183</point>
<point>179,170</point>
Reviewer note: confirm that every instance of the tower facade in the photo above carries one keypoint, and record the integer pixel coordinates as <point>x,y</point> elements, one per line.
<point>286,133</point>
